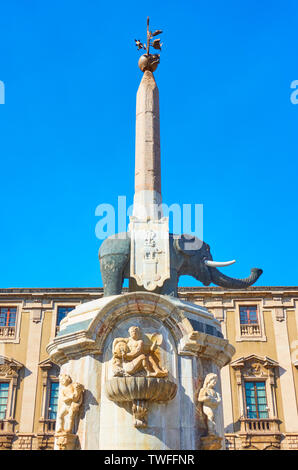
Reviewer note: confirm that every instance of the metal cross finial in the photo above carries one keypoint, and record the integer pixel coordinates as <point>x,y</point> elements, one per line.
<point>152,59</point>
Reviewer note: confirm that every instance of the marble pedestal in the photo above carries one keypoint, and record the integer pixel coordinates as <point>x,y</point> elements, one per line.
<point>192,347</point>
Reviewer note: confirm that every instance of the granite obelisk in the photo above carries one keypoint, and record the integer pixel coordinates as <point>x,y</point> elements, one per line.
<point>149,229</point>
<point>147,197</point>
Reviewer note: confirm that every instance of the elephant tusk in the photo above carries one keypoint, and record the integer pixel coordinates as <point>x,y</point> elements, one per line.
<point>216,264</point>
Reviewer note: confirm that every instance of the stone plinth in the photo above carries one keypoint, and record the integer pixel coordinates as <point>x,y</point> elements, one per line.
<point>160,412</point>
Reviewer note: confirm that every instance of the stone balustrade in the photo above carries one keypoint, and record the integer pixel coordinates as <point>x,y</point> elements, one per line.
<point>7,332</point>
<point>250,425</point>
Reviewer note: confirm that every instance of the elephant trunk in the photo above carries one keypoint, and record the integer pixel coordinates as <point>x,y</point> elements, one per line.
<point>222,280</point>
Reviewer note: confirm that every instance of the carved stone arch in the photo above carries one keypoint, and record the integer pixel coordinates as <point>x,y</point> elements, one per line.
<point>85,329</point>
<point>139,303</point>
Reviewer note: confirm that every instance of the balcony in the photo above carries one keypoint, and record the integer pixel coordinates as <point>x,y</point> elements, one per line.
<point>252,329</point>
<point>47,426</point>
<point>7,426</point>
<point>259,426</point>
<point>7,332</point>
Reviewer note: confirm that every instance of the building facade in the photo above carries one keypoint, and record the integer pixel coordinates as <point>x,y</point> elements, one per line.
<point>259,386</point>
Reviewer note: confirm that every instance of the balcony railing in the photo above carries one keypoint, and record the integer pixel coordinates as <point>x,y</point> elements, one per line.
<point>265,425</point>
<point>7,332</point>
<point>7,425</point>
<point>250,329</point>
<point>47,426</point>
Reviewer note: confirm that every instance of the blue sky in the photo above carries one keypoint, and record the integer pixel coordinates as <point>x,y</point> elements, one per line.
<point>228,130</point>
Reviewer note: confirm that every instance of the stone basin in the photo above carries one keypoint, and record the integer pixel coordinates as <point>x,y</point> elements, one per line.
<point>153,389</point>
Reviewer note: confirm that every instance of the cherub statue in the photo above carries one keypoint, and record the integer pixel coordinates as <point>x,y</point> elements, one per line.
<point>133,354</point>
<point>210,400</point>
<point>69,402</point>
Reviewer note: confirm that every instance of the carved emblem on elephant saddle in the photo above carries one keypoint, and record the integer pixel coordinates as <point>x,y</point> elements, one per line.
<point>150,254</point>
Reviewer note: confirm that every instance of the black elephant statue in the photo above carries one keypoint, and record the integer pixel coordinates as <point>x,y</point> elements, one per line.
<point>114,256</point>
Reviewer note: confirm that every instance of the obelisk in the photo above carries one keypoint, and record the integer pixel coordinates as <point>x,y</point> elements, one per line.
<point>147,198</point>
<point>149,229</point>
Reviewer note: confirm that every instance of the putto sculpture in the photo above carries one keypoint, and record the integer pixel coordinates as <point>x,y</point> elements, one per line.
<point>138,376</point>
<point>70,400</point>
<point>134,355</point>
<point>210,400</point>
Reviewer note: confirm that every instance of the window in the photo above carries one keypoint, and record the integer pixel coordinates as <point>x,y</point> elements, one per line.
<point>248,315</point>
<point>53,401</point>
<point>4,388</point>
<point>256,402</point>
<point>9,324</point>
<point>61,313</point>
<point>8,316</point>
<point>249,322</point>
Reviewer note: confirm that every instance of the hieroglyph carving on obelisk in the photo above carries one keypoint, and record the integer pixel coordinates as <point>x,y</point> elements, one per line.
<point>149,230</point>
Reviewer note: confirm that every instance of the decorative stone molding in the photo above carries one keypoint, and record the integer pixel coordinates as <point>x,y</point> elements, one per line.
<point>280,314</point>
<point>251,332</point>
<point>66,441</point>
<point>9,371</point>
<point>87,327</point>
<point>211,442</point>
<point>11,334</point>
<point>50,373</point>
<point>254,368</point>
<point>260,442</point>
<point>45,441</point>
<point>6,441</point>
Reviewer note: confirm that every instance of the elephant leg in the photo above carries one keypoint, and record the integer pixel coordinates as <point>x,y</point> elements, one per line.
<point>112,268</point>
<point>170,286</point>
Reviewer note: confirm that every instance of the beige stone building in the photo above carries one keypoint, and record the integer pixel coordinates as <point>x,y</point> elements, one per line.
<point>259,386</point>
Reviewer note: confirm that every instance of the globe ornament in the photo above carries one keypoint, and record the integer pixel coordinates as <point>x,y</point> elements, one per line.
<point>149,62</point>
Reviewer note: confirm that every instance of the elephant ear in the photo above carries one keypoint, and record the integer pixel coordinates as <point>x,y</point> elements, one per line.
<point>188,244</point>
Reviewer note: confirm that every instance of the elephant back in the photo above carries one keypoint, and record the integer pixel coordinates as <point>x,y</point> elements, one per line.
<point>118,244</point>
